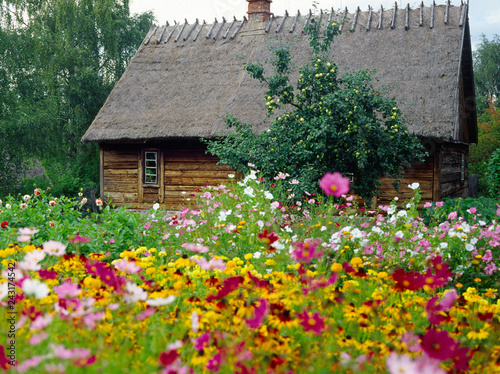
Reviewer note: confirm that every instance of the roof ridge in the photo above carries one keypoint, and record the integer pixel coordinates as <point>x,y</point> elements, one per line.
<point>391,15</point>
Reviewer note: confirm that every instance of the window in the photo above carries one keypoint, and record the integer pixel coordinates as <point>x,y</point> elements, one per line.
<point>151,167</point>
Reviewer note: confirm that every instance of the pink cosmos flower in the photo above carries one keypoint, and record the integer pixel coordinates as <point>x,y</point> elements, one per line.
<point>435,311</point>
<point>452,215</point>
<point>68,289</point>
<point>198,248</point>
<point>145,314</point>
<point>427,204</point>
<point>38,338</point>
<point>488,256</point>
<point>41,322</point>
<point>412,341</point>
<point>397,364</point>
<point>214,363</point>
<point>307,251</point>
<point>439,203</point>
<point>24,366</point>
<point>60,351</point>
<point>230,284</point>
<point>92,318</point>
<point>54,248</point>
<point>127,266</point>
<point>490,268</point>
<point>209,265</point>
<point>334,184</point>
<point>195,322</point>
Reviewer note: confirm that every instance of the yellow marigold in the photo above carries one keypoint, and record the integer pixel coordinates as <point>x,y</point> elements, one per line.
<point>336,267</point>
<point>382,275</point>
<point>248,256</point>
<point>356,261</point>
<point>270,262</point>
<point>26,248</point>
<point>128,254</point>
<point>150,271</point>
<point>231,264</point>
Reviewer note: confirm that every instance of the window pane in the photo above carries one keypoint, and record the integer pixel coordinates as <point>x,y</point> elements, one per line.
<point>151,167</point>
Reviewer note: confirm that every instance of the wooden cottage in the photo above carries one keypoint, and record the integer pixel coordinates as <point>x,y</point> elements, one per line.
<point>185,78</point>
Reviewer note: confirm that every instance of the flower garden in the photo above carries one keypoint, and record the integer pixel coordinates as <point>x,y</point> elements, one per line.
<point>249,279</point>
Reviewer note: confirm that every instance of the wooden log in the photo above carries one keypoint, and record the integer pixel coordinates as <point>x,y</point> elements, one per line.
<point>462,15</point>
<point>140,171</point>
<point>211,29</point>
<point>369,23</point>
<point>199,31</point>
<point>355,21</point>
<point>192,181</point>
<point>162,179</point>
<point>171,32</point>
<point>343,20</point>
<point>380,18</point>
<point>421,19</point>
<point>120,165</point>
<point>191,30</point>
<point>282,21</point>
<point>239,27</point>
<point>146,42</point>
<point>121,173</point>
<point>220,28</point>
<point>198,166</point>
<point>330,17</point>
<point>393,21</point>
<point>292,29</point>
<point>308,19</point>
<point>158,41</point>
<point>187,158</point>
<point>195,174</point>
<point>433,6</point>
<point>181,30</point>
<point>271,19</point>
<point>224,36</point>
<point>407,18</point>
<point>447,13</point>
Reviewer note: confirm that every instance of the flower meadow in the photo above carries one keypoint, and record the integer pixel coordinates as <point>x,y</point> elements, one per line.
<point>249,278</point>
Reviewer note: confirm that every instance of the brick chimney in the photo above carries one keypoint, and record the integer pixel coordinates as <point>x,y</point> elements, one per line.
<point>259,10</point>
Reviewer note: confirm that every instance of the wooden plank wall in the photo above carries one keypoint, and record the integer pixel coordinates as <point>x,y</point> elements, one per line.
<point>189,168</point>
<point>120,173</point>
<point>423,173</point>
<point>451,183</point>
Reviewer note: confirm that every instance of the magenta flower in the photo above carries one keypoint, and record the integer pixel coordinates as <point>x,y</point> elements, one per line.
<point>439,345</point>
<point>307,251</point>
<point>260,314</point>
<point>436,311</point>
<point>312,323</point>
<point>230,284</point>
<point>202,342</point>
<point>334,184</point>
<point>214,363</point>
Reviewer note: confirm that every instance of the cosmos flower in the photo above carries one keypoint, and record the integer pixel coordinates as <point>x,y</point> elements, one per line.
<point>334,184</point>
<point>312,323</point>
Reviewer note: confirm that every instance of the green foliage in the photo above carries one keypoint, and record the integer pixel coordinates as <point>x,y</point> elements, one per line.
<point>329,123</point>
<point>488,142</point>
<point>487,71</point>
<point>60,60</point>
<point>494,174</point>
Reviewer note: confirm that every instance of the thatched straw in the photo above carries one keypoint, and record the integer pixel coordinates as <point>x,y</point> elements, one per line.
<point>184,88</point>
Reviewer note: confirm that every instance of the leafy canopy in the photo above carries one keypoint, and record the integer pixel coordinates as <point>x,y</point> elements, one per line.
<point>60,60</point>
<point>487,70</point>
<point>326,123</point>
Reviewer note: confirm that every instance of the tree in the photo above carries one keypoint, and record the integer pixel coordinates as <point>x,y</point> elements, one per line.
<point>330,123</point>
<point>487,71</point>
<point>60,59</point>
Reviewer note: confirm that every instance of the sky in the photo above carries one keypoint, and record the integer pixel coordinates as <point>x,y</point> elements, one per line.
<point>484,15</point>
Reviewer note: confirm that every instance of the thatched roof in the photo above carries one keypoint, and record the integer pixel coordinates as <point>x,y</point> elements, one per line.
<point>182,81</point>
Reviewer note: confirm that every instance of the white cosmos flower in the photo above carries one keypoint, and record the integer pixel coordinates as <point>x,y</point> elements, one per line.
<point>414,185</point>
<point>160,301</point>
<point>33,287</point>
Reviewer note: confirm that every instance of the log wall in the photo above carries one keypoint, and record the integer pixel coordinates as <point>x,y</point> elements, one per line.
<point>184,168</point>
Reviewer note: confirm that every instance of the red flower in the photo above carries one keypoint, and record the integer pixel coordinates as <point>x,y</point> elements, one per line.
<point>408,281</point>
<point>267,238</point>
<point>439,345</point>
<point>168,358</point>
<point>312,323</point>
<point>85,361</point>
<point>229,285</point>
<point>4,224</point>
<point>4,361</point>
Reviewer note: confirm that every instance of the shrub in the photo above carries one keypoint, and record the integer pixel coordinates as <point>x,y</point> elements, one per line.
<point>494,174</point>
